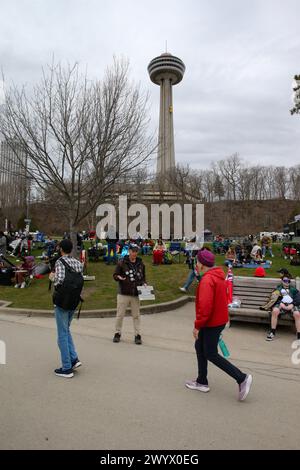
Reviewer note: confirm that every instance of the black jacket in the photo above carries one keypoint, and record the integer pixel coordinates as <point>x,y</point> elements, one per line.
<point>134,273</point>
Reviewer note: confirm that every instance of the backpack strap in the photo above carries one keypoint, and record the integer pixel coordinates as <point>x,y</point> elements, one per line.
<point>79,310</point>
<point>67,266</point>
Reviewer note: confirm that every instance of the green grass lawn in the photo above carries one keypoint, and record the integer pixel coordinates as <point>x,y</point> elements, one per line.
<point>102,292</point>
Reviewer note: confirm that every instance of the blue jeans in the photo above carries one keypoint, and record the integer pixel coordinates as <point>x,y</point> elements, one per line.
<point>264,250</point>
<point>64,338</point>
<point>189,279</point>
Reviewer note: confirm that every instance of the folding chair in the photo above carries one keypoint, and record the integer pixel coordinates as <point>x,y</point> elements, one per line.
<point>175,250</point>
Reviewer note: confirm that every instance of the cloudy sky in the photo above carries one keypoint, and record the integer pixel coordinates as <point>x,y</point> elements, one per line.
<point>240,57</point>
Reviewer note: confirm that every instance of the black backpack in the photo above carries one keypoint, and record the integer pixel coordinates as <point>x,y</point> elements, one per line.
<point>68,294</point>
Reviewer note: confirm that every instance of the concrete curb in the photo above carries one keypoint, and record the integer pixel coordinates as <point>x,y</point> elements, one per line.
<point>101,313</point>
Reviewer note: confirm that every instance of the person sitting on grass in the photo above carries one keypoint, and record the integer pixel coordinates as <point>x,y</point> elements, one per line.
<point>256,254</point>
<point>23,270</point>
<point>230,256</point>
<point>287,303</point>
<point>239,253</point>
<point>146,247</point>
<point>158,252</point>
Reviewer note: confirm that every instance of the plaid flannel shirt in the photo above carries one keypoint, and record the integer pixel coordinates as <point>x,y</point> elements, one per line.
<point>60,270</point>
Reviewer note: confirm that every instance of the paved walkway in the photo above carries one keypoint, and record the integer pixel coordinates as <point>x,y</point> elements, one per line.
<point>127,396</point>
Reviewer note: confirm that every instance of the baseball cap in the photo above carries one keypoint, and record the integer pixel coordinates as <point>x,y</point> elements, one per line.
<point>284,272</point>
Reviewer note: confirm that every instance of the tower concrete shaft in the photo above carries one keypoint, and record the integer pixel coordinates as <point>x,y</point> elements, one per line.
<point>166,151</point>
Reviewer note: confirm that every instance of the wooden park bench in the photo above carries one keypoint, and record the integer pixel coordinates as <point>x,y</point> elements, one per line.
<point>253,293</point>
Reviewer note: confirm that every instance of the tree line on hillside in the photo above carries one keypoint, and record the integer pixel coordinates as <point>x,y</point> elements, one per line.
<point>231,179</point>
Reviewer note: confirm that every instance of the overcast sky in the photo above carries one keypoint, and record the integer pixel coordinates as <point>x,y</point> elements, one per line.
<point>240,59</point>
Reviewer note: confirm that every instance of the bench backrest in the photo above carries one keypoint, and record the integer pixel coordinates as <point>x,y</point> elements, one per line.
<point>254,292</point>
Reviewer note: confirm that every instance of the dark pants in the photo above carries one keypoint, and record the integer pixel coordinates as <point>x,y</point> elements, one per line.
<point>207,350</point>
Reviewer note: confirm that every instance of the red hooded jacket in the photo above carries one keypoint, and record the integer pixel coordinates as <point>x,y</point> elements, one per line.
<point>211,300</point>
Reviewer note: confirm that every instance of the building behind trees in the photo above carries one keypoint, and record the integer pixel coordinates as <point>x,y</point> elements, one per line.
<point>12,176</point>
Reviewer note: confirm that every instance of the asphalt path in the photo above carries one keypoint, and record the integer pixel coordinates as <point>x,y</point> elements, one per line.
<point>133,397</point>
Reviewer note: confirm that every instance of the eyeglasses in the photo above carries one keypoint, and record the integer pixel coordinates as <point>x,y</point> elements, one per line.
<point>286,280</point>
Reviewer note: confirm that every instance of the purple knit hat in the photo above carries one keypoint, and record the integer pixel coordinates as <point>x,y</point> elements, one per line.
<point>206,257</point>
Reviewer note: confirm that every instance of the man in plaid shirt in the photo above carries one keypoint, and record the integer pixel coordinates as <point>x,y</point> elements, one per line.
<point>60,270</point>
<point>69,356</point>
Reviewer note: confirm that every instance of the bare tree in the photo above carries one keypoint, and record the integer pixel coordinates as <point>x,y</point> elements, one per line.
<point>230,170</point>
<point>294,179</point>
<point>244,183</point>
<point>187,183</point>
<point>80,136</point>
<point>179,180</point>
<point>218,186</point>
<point>296,88</point>
<point>280,181</point>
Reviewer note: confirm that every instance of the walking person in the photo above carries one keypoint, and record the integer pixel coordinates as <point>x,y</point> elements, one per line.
<point>130,273</point>
<point>211,318</point>
<point>193,274</point>
<point>3,243</point>
<point>68,284</point>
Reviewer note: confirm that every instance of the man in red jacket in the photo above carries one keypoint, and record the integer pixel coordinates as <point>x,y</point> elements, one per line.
<point>211,318</point>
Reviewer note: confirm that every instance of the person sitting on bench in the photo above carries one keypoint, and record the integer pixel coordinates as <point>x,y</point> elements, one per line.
<point>285,305</point>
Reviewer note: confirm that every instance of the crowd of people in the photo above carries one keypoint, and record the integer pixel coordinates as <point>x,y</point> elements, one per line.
<point>66,275</point>
<point>250,251</point>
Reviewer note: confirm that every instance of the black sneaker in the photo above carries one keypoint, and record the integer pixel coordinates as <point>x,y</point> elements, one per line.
<point>138,339</point>
<point>117,338</point>
<point>68,374</point>
<point>76,364</point>
<point>270,336</point>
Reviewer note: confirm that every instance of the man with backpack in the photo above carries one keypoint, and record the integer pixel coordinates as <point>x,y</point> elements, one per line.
<point>68,284</point>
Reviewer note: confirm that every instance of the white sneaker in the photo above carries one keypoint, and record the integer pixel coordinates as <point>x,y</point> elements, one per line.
<point>244,387</point>
<point>183,289</point>
<point>194,385</point>
<point>17,286</point>
<point>23,285</point>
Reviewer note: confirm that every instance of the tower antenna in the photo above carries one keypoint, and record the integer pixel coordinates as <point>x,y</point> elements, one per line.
<point>166,46</point>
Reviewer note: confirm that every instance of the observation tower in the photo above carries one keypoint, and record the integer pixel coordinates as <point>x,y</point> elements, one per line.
<point>166,71</point>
